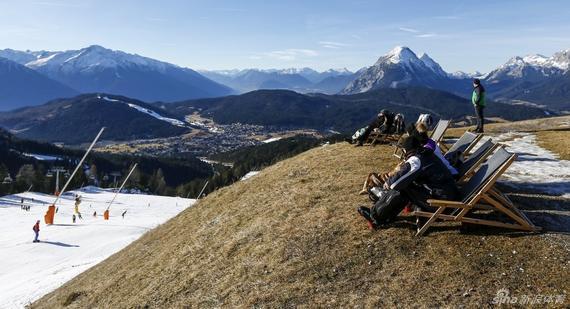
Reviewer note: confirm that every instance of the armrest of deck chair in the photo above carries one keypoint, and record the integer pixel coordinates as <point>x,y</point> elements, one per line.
<point>446,203</point>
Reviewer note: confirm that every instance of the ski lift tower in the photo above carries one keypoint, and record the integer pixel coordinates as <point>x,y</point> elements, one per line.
<point>57,170</point>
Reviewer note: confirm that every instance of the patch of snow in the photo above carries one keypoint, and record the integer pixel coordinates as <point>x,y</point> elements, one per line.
<point>273,139</point>
<point>147,111</point>
<point>249,175</point>
<point>41,61</point>
<point>536,169</point>
<point>30,270</point>
<point>40,157</point>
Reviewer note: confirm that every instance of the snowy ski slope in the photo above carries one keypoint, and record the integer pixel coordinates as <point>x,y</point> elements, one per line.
<point>30,270</point>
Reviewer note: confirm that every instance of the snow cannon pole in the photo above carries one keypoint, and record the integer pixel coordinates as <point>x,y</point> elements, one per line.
<point>121,188</point>
<point>204,188</point>
<point>50,214</point>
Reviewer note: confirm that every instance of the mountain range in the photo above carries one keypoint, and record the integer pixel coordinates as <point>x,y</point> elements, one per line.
<point>534,79</point>
<point>302,80</point>
<point>76,120</point>
<point>342,113</point>
<point>21,86</point>
<point>98,69</point>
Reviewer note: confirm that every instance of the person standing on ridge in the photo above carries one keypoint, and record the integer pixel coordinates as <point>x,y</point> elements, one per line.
<point>478,100</point>
<point>36,229</point>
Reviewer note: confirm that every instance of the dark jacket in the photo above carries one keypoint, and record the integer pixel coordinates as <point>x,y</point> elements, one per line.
<point>425,170</point>
<point>387,122</point>
<point>36,227</point>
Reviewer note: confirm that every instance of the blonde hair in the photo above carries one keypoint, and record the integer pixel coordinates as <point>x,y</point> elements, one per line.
<point>421,127</point>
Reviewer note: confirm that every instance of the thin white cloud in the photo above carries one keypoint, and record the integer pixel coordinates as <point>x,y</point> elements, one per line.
<point>332,45</point>
<point>289,54</point>
<point>410,30</point>
<point>426,35</point>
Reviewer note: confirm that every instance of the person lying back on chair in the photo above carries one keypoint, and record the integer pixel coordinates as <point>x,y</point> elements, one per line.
<point>384,122</point>
<point>419,132</point>
<point>420,177</point>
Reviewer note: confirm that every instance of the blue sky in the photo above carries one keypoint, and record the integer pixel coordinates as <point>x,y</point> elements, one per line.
<point>460,35</point>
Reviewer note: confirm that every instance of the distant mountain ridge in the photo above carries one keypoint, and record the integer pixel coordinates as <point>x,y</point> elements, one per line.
<point>298,79</point>
<point>535,79</point>
<point>339,112</point>
<point>98,69</point>
<point>77,120</point>
<point>21,86</point>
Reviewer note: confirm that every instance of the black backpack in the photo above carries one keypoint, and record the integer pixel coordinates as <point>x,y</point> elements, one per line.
<point>387,206</point>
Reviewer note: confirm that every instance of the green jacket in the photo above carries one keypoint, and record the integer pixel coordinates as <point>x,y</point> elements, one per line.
<point>478,96</point>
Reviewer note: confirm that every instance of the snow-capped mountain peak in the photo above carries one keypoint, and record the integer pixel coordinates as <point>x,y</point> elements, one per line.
<point>561,59</point>
<point>399,54</point>
<point>339,71</point>
<point>94,57</point>
<point>465,75</point>
<point>536,59</point>
<point>434,66</point>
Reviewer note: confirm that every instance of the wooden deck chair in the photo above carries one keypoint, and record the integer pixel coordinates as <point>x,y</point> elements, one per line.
<point>439,131</point>
<point>376,137</point>
<point>465,143</point>
<point>478,189</point>
<point>469,164</point>
<point>436,136</point>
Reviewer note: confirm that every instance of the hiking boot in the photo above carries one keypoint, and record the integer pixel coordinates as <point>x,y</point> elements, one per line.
<point>365,212</point>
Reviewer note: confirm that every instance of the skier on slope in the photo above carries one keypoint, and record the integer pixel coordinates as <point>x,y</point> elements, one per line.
<point>77,202</point>
<point>36,230</point>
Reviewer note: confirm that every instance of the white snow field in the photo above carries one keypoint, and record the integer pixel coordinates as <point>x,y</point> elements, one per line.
<point>30,270</point>
<point>536,169</point>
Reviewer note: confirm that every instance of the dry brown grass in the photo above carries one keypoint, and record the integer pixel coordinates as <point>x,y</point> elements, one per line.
<point>553,123</point>
<point>556,141</point>
<point>291,237</point>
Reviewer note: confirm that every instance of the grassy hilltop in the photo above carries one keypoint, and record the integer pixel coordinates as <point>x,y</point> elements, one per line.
<point>290,236</point>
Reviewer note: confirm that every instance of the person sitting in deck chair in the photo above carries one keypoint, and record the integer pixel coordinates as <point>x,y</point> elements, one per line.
<point>399,124</point>
<point>426,119</point>
<point>420,177</point>
<point>384,122</point>
<point>377,180</point>
<point>419,131</point>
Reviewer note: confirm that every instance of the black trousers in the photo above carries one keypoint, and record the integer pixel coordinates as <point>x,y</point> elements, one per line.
<point>480,118</point>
